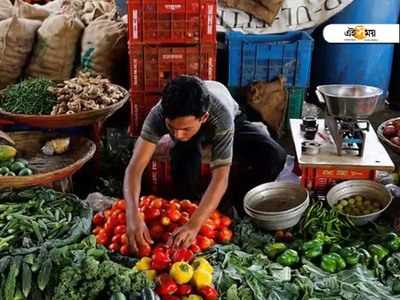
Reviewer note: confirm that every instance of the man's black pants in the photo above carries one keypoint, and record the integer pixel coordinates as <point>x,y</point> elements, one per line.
<point>257,159</point>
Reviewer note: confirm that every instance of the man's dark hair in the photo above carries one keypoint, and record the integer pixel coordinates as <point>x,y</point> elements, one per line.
<point>185,96</point>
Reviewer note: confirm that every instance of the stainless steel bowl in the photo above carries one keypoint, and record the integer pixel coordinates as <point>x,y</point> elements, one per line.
<point>349,100</point>
<point>279,221</point>
<point>366,188</point>
<point>293,194</point>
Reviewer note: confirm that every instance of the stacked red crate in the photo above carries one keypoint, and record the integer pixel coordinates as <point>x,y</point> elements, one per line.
<point>167,38</point>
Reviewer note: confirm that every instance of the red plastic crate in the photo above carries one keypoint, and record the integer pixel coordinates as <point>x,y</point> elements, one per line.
<point>323,179</point>
<point>158,177</point>
<point>151,67</point>
<point>172,21</point>
<point>141,104</point>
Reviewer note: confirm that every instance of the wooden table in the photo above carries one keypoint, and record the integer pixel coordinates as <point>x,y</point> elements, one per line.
<point>327,167</point>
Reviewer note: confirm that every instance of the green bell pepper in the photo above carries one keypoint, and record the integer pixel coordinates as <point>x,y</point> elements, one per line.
<point>392,242</point>
<point>340,262</point>
<point>274,249</point>
<point>313,248</point>
<point>365,257</point>
<point>328,263</point>
<point>288,258</point>
<point>379,251</point>
<point>350,255</point>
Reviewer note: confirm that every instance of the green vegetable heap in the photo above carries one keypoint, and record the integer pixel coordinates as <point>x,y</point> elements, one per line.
<point>29,97</point>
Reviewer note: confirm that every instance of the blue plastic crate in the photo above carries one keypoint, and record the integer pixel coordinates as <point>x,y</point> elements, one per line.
<point>265,57</point>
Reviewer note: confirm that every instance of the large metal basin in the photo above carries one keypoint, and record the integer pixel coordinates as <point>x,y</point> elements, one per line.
<point>348,100</point>
<point>294,200</point>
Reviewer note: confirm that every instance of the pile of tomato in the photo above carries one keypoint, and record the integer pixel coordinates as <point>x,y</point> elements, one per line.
<point>162,217</point>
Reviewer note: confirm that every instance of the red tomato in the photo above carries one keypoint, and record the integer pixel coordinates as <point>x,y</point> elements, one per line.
<point>156,231</point>
<point>124,239</point>
<point>120,229</point>
<point>209,293</point>
<point>124,250</point>
<point>166,236</point>
<point>103,231</point>
<point>102,239</point>
<point>96,230</point>
<point>215,215</point>
<point>113,219</point>
<point>203,242</point>
<point>165,203</point>
<point>185,204</point>
<point>165,221</point>
<point>144,201</point>
<point>156,203</point>
<point>116,239</point>
<point>144,250</point>
<point>184,290</point>
<point>99,219</point>
<point>225,222</point>
<point>173,214</point>
<point>109,228</point>
<point>208,231</point>
<point>183,220</point>
<point>107,213</point>
<point>191,209</point>
<point>215,222</point>
<point>185,214</point>
<point>113,247</point>
<point>121,204</point>
<point>194,248</point>
<point>151,213</point>
<point>121,219</point>
<point>175,205</point>
<point>224,236</point>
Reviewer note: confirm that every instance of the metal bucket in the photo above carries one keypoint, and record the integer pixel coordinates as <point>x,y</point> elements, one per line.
<point>348,100</point>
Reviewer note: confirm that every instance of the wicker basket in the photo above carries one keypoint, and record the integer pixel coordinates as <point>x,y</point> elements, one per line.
<point>395,147</point>
<point>66,121</point>
<point>47,169</point>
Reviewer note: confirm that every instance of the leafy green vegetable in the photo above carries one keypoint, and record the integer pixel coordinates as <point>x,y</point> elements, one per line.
<point>249,238</point>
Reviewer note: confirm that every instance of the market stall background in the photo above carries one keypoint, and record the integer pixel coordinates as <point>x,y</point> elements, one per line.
<point>46,251</point>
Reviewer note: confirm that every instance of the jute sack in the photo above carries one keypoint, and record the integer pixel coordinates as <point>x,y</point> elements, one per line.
<point>104,45</point>
<point>28,11</point>
<point>17,36</point>
<point>6,9</point>
<point>54,52</point>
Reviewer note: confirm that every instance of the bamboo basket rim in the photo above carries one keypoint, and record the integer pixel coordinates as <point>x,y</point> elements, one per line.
<point>45,178</point>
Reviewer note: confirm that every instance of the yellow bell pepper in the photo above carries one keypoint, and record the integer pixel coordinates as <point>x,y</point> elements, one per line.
<point>193,297</point>
<point>181,272</point>
<point>143,264</point>
<point>203,264</point>
<point>201,278</point>
<point>151,274</point>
